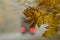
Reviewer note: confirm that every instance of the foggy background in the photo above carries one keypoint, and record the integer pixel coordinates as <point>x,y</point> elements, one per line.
<point>11,17</point>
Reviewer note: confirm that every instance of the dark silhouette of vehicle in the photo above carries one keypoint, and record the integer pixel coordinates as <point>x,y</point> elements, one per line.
<point>25,28</point>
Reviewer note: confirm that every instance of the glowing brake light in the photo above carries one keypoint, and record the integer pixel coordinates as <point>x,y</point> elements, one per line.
<point>22,29</point>
<point>32,30</point>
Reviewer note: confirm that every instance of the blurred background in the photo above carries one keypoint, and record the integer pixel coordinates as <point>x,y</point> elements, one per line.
<point>11,18</point>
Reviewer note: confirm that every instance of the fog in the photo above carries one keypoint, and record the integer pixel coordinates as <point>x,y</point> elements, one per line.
<point>11,19</point>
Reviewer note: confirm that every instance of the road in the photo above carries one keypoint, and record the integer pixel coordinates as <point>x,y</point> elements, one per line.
<point>19,36</point>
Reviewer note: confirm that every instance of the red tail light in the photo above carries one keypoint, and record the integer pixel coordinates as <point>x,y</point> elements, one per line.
<point>32,30</point>
<point>22,29</point>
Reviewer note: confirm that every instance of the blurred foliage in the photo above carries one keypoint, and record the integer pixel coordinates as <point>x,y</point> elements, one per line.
<point>41,16</point>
